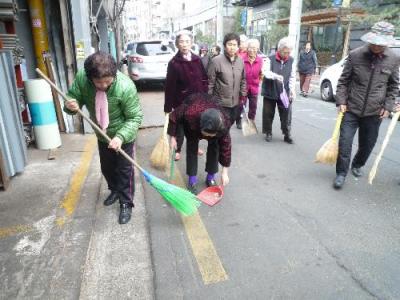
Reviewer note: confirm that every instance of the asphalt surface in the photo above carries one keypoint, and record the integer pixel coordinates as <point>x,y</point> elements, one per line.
<point>281,230</point>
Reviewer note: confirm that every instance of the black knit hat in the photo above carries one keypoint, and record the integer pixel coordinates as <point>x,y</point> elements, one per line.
<point>211,121</point>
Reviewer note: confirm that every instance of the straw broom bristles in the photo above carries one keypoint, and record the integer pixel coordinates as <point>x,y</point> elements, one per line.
<point>160,155</point>
<point>328,153</point>
<point>248,126</point>
<point>389,132</point>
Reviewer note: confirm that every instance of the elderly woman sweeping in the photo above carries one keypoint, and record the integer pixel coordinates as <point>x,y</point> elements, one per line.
<point>113,103</point>
<point>253,66</point>
<point>279,75</point>
<point>203,117</point>
<point>185,75</point>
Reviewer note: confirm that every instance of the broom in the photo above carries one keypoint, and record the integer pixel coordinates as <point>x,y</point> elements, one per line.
<point>182,200</point>
<point>248,126</point>
<point>389,132</point>
<point>160,154</point>
<point>328,153</point>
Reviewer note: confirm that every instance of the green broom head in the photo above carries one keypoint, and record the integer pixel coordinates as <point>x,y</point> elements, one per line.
<point>181,199</point>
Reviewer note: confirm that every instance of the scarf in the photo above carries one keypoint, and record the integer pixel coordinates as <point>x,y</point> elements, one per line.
<point>102,109</point>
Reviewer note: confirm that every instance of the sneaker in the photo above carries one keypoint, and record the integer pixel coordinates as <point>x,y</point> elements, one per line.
<point>192,188</point>
<point>338,182</point>
<point>356,172</point>
<point>111,199</point>
<point>125,213</point>
<point>211,182</point>
<point>268,137</point>
<point>288,139</point>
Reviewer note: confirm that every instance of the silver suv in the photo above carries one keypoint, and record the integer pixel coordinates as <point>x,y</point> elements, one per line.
<point>148,60</point>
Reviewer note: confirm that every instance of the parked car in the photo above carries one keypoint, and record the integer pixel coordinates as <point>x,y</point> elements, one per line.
<point>329,78</point>
<point>148,60</point>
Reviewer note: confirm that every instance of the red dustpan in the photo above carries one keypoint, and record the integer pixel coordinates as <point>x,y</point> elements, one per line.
<point>211,195</point>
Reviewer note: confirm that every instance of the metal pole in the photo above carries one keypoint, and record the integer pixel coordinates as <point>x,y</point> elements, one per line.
<point>247,17</point>
<point>294,27</point>
<point>220,22</point>
<point>333,57</point>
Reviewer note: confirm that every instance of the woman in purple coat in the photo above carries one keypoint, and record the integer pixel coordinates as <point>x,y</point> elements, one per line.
<point>185,76</point>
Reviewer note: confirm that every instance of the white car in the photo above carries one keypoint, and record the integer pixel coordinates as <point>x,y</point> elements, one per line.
<point>330,77</point>
<point>148,60</point>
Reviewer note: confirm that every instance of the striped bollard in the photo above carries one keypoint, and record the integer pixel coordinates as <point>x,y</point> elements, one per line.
<point>43,114</point>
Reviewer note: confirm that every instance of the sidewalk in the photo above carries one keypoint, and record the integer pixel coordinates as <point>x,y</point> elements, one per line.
<point>58,241</point>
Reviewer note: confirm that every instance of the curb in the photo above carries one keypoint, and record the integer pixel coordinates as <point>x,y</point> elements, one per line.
<point>118,263</point>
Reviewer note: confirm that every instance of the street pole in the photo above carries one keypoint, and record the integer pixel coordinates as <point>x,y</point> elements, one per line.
<point>294,27</point>
<point>247,17</point>
<point>220,21</point>
<point>333,57</point>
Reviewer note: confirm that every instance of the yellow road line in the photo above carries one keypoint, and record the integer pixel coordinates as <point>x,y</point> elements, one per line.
<point>13,230</point>
<point>72,197</point>
<point>210,265</point>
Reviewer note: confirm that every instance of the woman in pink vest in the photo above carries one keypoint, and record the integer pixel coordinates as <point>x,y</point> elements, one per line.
<point>253,67</point>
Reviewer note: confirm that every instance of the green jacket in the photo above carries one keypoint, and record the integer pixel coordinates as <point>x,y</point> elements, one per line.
<point>124,110</point>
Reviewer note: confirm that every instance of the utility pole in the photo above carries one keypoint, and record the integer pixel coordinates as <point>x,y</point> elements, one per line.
<point>294,27</point>
<point>220,21</point>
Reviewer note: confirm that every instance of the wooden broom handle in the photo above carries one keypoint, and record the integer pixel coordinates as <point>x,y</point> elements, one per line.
<point>165,129</point>
<point>93,124</point>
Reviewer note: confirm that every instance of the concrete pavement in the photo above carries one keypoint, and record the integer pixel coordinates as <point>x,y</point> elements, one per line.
<point>58,241</point>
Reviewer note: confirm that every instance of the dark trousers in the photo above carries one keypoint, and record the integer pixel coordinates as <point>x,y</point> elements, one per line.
<point>252,108</point>
<point>305,80</point>
<point>192,146</point>
<point>285,114</point>
<point>118,171</point>
<point>368,130</point>
<point>180,136</point>
<point>232,113</point>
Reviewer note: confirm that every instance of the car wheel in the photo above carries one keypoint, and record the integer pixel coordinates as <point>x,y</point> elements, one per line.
<point>326,91</point>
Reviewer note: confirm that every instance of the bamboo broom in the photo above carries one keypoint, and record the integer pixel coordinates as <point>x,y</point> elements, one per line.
<point>248,126</point>
<point>328,153</point>
<point>182,200</point>
<point>160,155</point>
<point>389,132</point>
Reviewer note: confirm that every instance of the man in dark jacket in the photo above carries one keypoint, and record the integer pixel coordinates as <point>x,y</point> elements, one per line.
<point>307,65</point>
<point>227,78</point>
<point>203,118</point>
<point>365,93</point>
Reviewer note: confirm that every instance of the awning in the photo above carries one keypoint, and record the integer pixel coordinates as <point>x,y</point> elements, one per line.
<point>326,16</point>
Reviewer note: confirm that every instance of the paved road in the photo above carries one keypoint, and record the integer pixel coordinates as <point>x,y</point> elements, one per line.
<point>281,231</point>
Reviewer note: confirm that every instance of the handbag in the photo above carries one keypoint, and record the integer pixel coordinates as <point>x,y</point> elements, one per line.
<point>284,97</point>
